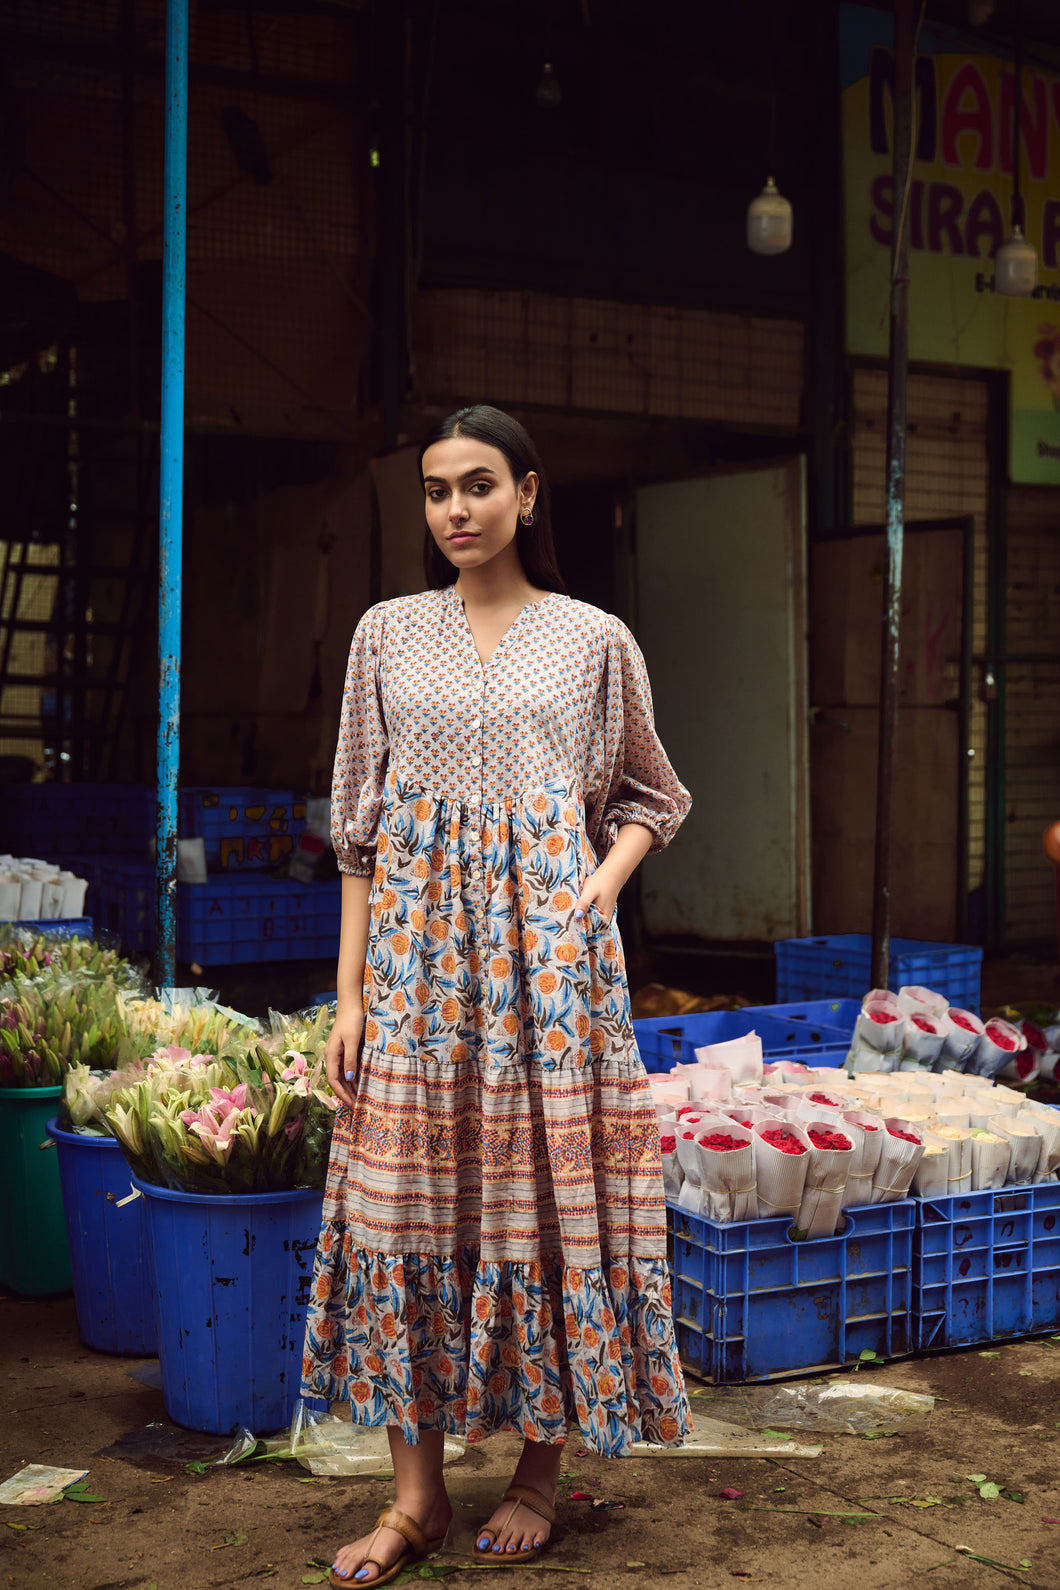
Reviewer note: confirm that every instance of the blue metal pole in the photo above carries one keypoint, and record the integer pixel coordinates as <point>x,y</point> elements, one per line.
<point>171,499</point>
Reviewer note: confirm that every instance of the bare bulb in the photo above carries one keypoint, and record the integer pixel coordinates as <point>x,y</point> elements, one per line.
<point>769,221</point>
<point>1016,266</point>
<point>548,93</point>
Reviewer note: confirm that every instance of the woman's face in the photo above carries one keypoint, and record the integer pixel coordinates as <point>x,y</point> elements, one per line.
<point>472,502</point>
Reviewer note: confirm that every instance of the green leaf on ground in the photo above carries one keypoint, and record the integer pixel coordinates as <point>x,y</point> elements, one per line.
<point>949,1561</point>
<point>992,1562</point>
<point>813,1512</point>
<point>917,1501</point>
<point>990,1355</point>
<point>1025,1371</point>
<point>80,1492</point>
<point>196,1467</point>
<point>866,1357</point>
<point>319,1577</point>
<point>876,1435</point>
<point>976,1479</point>
<point>778,1435</point>
<point>990,1492</point>
<point>10,1525</point>
<point>230,1540</point>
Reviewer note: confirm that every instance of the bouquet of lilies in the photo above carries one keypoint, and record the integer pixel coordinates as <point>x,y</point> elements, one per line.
<point>37,955</point>
<point>252,1121</point>
<point>50,1024</point>
<point>188,1018</point>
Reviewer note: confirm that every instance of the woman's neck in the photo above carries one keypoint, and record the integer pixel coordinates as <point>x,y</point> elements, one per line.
<point>499,583</point>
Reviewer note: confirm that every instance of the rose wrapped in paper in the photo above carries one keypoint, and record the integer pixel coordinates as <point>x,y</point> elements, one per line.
<point>922,1039</point>
<point>964,1029</point>
<point>781,1152</point>
<point>959,1139</point>
<point>726,1173</point>
<point>917,1000</point>
<point>900,1155</point>
<point>877,1041</point>
<point>830,1156</point>
<point>866,1135</point>
<point>991,1159</point>
<point>932,1176</point>
<point>1000,1042</point>
<point>672,1174</point>
<point>1047,1120</point>
<point>1025,1143</point>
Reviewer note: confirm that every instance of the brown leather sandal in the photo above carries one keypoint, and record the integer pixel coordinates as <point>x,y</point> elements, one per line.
<point>419,1546</point>
<point>519,1496</point>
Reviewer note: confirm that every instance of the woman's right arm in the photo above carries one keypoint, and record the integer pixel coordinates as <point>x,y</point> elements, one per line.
<point>343,1047</point>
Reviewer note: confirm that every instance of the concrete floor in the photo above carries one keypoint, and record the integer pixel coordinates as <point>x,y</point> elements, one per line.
<point>160,1526</point>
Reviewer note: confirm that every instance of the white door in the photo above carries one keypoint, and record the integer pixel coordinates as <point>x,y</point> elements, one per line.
<point>721,619</point>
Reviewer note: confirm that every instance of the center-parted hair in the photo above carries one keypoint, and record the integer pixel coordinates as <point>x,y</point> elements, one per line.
<point>534,544</point>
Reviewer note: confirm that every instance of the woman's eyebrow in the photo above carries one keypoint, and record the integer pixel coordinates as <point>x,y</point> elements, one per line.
<point>439,480</point>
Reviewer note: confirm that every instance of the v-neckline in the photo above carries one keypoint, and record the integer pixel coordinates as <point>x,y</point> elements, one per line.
<point>516,621</point>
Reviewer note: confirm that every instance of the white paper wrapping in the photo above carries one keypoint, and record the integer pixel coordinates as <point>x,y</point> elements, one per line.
<point>915,999</point>
<point>877,1041</point>
<point>10,898</point>
<point>990,1057</point>
<point>821,1204</point>
<point>709,1083</point>
<point>898,1163</point>
<point>1048,1123</point>
<point>741,1057</point>
<point>29,905</point>
<point>672,1174</point>
<point>780,1177</point>
<point>1009,1101</point>
<point>960,1163</point>
<point>867,1137</point>
<point>953,1112</point>
<point>932,1176</point>
<point>991,1158</point>
<point>1026,1146</point>
<point>669,1086</point>
<point>727,1177</point>
<point>786,1071</point>
<point>922,1038</point>
<point>960,1045</point>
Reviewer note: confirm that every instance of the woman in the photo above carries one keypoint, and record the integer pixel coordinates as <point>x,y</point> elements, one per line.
<point>493,1250</point>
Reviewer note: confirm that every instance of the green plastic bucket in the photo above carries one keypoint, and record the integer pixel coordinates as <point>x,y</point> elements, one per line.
<point>34,1252</point>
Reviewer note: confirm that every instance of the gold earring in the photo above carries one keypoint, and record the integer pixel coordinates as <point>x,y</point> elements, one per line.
<point>527,517</point>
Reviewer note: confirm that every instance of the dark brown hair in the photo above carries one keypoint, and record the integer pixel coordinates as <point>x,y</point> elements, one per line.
<point>534,544</point>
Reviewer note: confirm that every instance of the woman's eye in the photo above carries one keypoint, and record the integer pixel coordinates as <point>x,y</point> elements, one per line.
<point>435,494</point>
<point>481,486</point>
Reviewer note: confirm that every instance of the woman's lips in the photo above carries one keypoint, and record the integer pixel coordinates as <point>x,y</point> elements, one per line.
<point>462,538</point>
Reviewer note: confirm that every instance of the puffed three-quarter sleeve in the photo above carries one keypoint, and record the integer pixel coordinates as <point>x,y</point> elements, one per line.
<point>361,755</point>
<point>629,777</point>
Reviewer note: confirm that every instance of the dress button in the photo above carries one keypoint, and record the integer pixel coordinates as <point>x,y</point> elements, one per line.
<point>474,724</point>
<point>476,761</point>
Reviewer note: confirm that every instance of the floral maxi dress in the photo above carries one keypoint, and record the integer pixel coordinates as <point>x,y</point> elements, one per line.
<point>492,1253</point>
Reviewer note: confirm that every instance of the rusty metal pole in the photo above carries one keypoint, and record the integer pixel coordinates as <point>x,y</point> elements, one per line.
<point>897,372</point>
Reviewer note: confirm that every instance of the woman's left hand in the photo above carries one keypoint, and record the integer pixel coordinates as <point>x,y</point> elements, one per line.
<point>600,891</point>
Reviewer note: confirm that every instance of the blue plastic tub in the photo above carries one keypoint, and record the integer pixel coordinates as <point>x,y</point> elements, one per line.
<point>839,967</point>
<point>666,1041</point>
<point>987,1266</point>
<point>232,1282</point>
<point>113,1285</point>
<point>751,1304</point>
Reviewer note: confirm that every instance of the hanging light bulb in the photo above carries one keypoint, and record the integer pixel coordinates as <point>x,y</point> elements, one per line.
<point>769,221</point>
<point>548,93</point>
<point>1016,266</point>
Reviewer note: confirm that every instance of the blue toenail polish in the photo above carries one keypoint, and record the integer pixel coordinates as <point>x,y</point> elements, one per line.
<point>484,1541</point>
<point>362,1573</point>
<point>496,1548</point>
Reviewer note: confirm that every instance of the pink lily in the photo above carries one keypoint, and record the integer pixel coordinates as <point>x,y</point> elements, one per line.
<point>298,1067</point>
<point>236,1100</point>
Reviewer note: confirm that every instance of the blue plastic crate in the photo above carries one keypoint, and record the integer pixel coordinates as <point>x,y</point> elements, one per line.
<point>750,1304</point>
<point>328,997</point>
<point>238,919</point>
<point>840,1015</point>
<point>51,820</point>
<point>839,967</point>
<point>986,1266</point>
<point>59,927</point>
<point>243,826</point>
<point>126,896</point>
<point>666,1041</point>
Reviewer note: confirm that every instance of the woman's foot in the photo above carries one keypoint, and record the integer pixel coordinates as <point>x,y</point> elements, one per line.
<point>511,1533</point>
<point>433,1515</point>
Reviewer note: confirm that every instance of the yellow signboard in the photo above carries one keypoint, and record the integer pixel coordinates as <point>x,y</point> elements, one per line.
<point>959,213</point>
